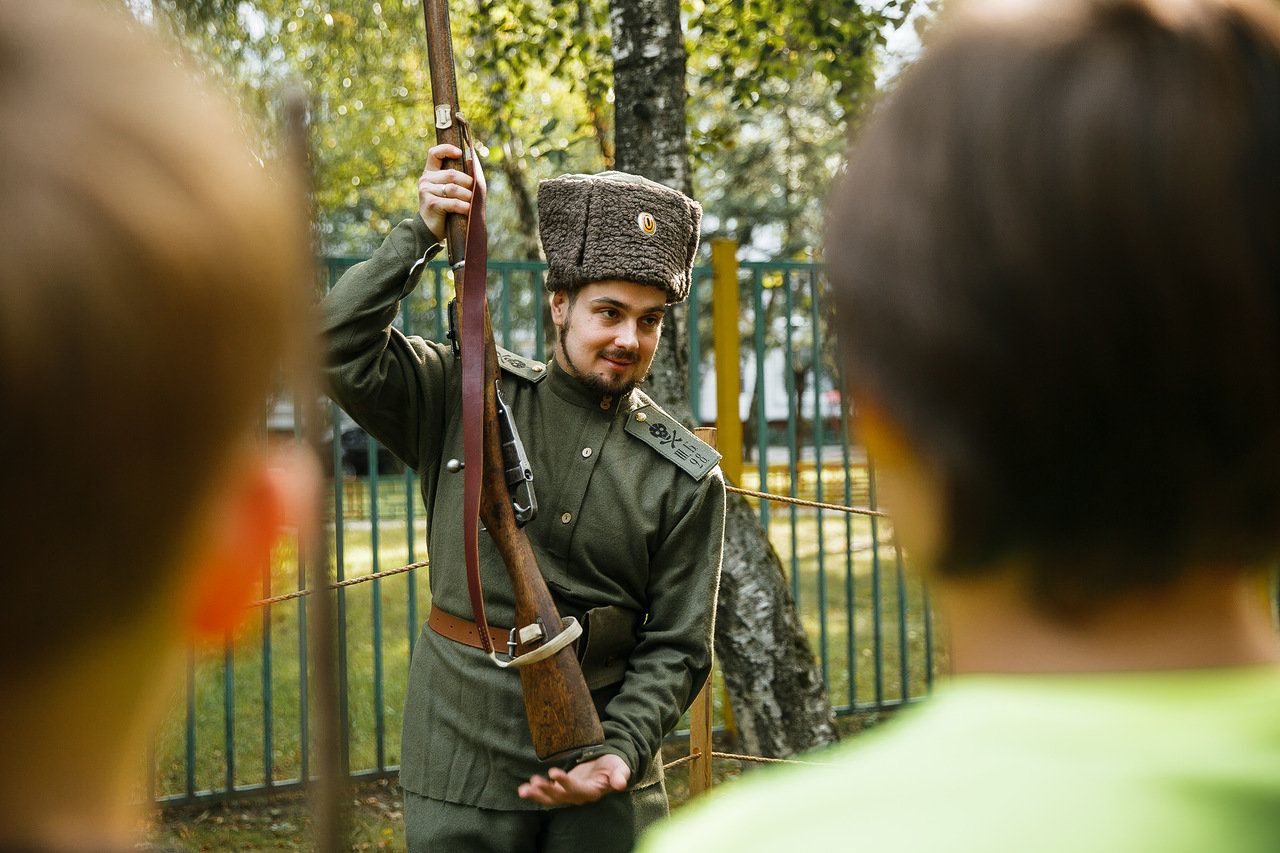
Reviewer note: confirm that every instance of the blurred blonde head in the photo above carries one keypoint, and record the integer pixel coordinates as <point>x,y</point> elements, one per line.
<point>150,268</point>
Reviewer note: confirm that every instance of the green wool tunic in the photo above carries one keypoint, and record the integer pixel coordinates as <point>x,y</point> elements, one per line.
<point>631,514</point>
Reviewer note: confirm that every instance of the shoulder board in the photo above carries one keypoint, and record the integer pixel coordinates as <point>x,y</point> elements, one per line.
<point>525,368</point>
<point>671,440</point>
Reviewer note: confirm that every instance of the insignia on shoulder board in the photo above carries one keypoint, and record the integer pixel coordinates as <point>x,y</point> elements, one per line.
<point>525,368</point>
<point>670,439</point>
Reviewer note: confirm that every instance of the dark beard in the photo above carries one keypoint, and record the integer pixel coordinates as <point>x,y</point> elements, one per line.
<point>590,381</point>
<point>597,385</point>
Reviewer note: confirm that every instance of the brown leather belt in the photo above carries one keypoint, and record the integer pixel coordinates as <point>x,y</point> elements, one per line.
<point>465,631</point>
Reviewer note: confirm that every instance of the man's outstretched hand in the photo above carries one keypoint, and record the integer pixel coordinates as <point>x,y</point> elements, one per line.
<point>586,783</point>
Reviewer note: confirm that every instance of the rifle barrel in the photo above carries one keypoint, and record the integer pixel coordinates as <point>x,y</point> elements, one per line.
<point>444,96</point>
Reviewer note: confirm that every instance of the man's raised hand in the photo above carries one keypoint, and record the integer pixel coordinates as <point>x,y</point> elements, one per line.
<point>442,191</point>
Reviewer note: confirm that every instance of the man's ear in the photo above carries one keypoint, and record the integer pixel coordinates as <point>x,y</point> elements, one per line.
<point>559,301</point>
<point>268,495</point>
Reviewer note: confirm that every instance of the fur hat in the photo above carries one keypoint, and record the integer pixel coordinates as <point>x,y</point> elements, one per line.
<point>617,226</point>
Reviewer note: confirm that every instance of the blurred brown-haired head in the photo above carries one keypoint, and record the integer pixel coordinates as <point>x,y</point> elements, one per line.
<point>1056,256</point>
<point>149,266</point>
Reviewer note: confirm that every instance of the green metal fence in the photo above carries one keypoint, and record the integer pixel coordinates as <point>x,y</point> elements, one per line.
<point>241,723</point>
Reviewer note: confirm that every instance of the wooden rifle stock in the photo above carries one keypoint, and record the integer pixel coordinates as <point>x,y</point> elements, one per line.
<point>562,718</point>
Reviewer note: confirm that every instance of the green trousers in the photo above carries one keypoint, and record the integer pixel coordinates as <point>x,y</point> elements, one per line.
<point>610,825</point>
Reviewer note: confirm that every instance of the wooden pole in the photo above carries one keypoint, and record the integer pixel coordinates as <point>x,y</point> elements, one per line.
<point>328,790</point>
<point>700,744</point>
<point>728,343</point>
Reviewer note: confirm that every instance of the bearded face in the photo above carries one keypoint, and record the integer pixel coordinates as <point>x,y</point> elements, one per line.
<point>608,333</point>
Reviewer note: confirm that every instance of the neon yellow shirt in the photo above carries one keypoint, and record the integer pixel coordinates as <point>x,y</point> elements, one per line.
<point>1155,761</point>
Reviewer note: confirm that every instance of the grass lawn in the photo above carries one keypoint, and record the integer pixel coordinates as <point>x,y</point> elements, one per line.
<point>866,620</point>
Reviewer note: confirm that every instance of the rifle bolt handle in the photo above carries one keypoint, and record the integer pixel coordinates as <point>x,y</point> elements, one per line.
<point>453,466</point>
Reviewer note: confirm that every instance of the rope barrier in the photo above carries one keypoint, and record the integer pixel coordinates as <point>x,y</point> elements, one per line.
<point>684,759</point>
<point>754,759</point>
<point>760,759</point>
<point>340,584</point>
<point>854,510</point>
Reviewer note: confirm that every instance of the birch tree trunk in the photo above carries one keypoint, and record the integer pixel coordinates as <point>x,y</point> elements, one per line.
<point>649,140</point>
<point>774,684</point>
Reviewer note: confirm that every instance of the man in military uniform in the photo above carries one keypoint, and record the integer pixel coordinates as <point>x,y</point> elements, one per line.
<point>628,535</point>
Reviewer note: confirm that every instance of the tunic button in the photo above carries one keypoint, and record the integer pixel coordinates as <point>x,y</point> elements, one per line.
<point>566,518</point>
<point>586,453</point>
<point>538,368</point>
<point>641,417</point>
<point>606,402</point>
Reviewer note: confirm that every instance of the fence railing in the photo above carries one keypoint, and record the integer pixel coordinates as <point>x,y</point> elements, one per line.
<point>241,724</point>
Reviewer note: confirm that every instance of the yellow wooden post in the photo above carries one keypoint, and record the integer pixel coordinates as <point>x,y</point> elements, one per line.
<point>700,741</point>
<point>728,344</point>
<point>700,712</point>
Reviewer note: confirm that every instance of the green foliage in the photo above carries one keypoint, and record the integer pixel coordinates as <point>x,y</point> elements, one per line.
<point>757,50</point>
<point>773,85</point>
<point>365,65</point>
<point>776,84</point>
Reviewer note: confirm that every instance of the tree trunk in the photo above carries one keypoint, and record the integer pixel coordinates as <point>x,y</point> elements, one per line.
<point>779,703</point>
<point>774,685</point>
<point>649,133</point>
<point>648,84</point>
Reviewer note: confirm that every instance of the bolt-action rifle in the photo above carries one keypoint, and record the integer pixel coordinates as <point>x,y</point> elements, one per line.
<point>497,488</point>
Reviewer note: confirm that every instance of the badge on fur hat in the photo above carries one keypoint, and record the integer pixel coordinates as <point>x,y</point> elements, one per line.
<point>647,223</point>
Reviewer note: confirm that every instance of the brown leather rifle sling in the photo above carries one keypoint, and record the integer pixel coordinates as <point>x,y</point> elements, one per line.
<point>475,375</point>
<point>474,304</point>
